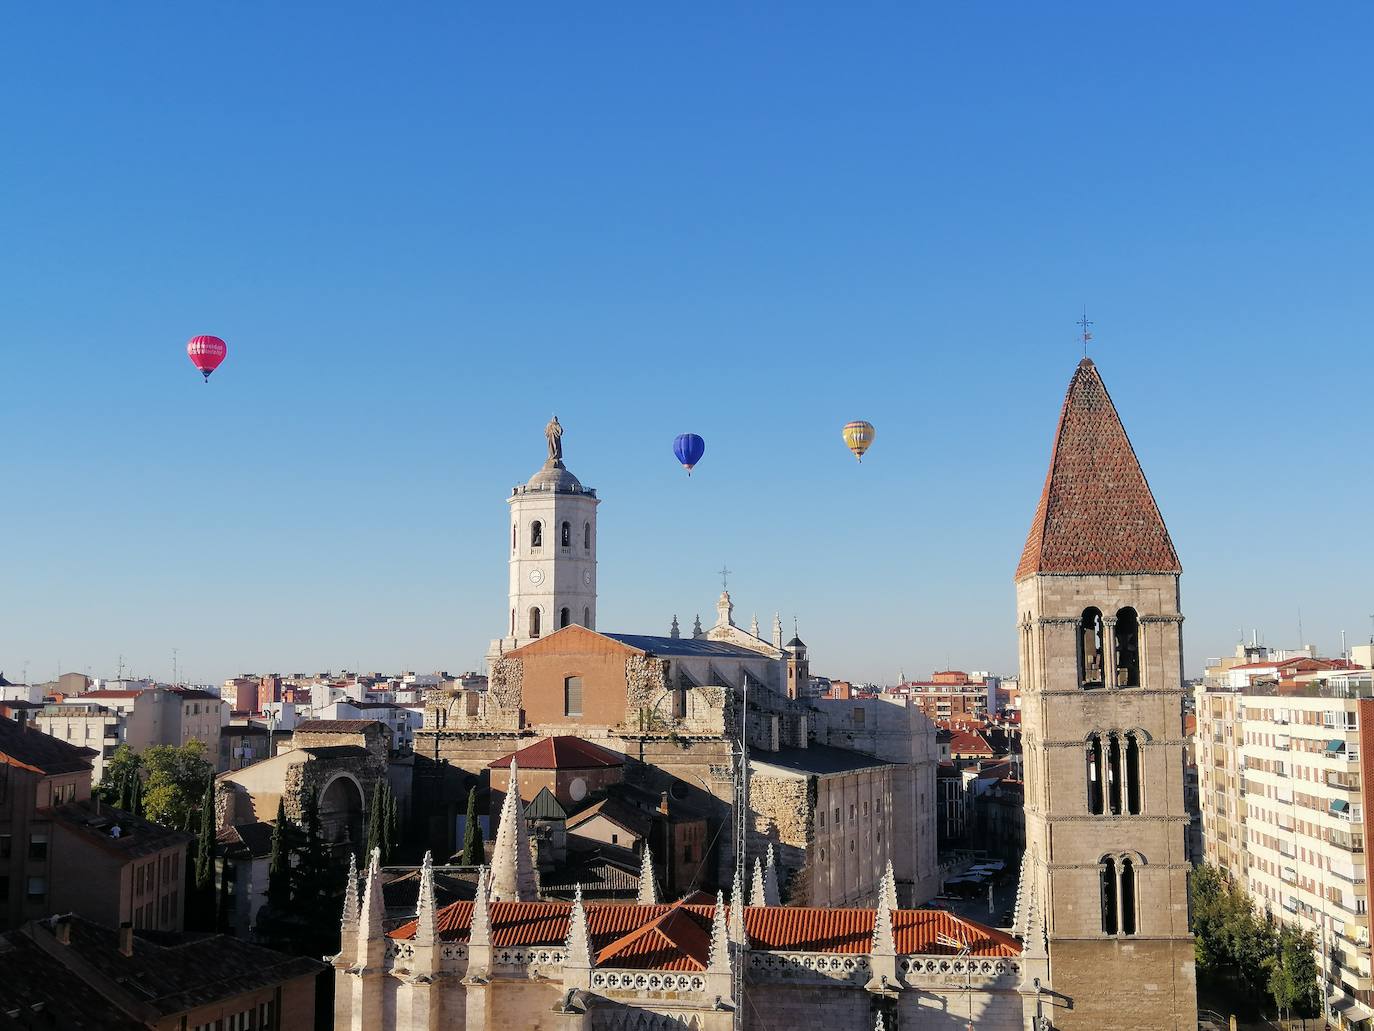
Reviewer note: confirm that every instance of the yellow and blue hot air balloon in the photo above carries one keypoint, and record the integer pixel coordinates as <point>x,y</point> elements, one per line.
<point>858,435</point>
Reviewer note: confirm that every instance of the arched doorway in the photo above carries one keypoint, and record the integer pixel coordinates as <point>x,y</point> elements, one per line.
<point>341,811</point>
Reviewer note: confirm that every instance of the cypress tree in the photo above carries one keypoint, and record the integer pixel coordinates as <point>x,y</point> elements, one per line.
<point>375,818</point>
<point>205,853</point>
<point>474,854</point>
<point>391,826</point>
<point>279,868</point>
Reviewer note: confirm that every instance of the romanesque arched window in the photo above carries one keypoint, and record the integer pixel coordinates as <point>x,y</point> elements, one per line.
<point>1127,634</point>
<point>513,531</point>
<point>586,536</point>
<point>565,536</point>
<point>512,622</point>
<point>536,534</point>
<point>1090,648</point>
<point>572,696</point>
<point>1133,770</point>
<point>1095,774</point>
<point>1108,887</point>
<point>1114,774</point>
<point>534,620</point>
<point>1127,887</point>
<point>586,616</point>
<point>564,617</point>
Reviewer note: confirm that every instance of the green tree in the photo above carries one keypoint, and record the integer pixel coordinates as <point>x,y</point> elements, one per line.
<point>1293,976</point>
<point>177,778</point>
<point>392,827</point>
<point>376,817</point>
<point>279,866</point>
<point>122,778</point>
<point>205,841</point>
<point>474,853</point>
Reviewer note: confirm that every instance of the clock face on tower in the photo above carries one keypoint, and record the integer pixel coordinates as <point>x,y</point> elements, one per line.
<point>587,577</point>
<point>536,576</point>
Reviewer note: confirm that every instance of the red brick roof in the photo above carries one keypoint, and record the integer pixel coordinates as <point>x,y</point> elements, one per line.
<point>676,937</point>
<point>561,753</point>
<point>28,748</point>
<point>1096,513</point>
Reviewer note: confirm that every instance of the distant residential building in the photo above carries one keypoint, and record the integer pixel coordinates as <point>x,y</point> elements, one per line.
<point>143,718</point>
<point>86,725</point>
<point>11,692</point>
<point>401,720</point>
<point>241,693</point>
<point>70,972</point>
<point>953,694</point>
<point>1282,763</point>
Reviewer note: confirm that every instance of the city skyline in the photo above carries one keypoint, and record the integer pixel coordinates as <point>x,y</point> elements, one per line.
<point>421,237</point>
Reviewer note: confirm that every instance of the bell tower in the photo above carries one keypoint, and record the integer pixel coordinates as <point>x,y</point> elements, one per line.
<point>551,539</point>
<point>1097,597</point>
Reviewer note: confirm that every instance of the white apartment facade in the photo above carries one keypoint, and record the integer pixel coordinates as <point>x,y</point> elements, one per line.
<point>1281,781</point>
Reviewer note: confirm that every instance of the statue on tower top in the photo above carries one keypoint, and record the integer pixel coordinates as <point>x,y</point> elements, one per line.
<point>553,433</point>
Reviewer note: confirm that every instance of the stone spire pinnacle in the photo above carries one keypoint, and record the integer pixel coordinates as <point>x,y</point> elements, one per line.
<point>1096,512</point>
<point>578,944</point>
<point>350,905</point>
<point>696,627</point>
<point>887,887</point>
<point>371,933</point>
<point>674,631</point>
<point>883,942</point>
<point>737,931</point>
<point>754,625</point>
<point>512,871</point>
<point>777,630</point>
<point>771,896</point>
<point>481,911</point>
<point>648,887</point>
<point>425,933</point>
<point>725,610</point>
<point>758,892</point>
<point>720,938</point>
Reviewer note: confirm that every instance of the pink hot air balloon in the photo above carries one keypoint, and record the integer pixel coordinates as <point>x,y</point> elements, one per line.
<point>206,353</point>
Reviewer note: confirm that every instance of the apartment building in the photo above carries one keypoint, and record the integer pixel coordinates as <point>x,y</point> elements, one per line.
<point>103,720</point>
<point>1281,769</point>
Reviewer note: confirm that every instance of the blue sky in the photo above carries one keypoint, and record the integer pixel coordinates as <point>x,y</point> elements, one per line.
<point>423,230</point>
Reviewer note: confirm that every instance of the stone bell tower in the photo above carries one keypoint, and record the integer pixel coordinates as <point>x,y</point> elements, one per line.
<point>552,549</point>
<point>1097,601</point>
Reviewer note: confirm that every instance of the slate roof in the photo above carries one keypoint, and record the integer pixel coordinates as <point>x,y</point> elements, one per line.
<point>45,994</point>
<point>167,973</point>
<point>780,928</point>
<point>600,874</point>
<point>28,748</point>
<point>1096,512</point>
<point>818,759</point>
<point>560,753</point>
<point>686,647</point>
<point>337,726</point>
<point>622,814</point>
<point>545,807</point>
<point>137,837</point>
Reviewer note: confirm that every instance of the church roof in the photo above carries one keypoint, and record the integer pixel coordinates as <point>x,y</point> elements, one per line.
<point>1096,512</point>
<point>649,937</point>
<point>672,647</point>
<point>555,477</point>
<point>560,753</point>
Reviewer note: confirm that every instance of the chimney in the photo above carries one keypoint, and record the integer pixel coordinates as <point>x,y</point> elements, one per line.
<point>663,803</point>
<point>62,929</point>
<point>126,939</point>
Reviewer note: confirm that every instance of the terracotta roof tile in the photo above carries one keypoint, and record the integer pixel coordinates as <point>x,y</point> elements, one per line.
<point>28,748</point>
<point>633,935</point>
<point>560,753</point>
<point>1096,512</point>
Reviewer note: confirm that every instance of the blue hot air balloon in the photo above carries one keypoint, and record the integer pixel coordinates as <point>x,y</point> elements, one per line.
<point>689,448</point>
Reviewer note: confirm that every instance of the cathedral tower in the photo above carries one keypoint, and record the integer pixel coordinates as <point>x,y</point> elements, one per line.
<point>552,540</point>
<point>1101,674</point>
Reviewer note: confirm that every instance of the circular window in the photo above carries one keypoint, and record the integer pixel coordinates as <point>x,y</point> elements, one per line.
<point>578,789</point>
<point>679,790</point>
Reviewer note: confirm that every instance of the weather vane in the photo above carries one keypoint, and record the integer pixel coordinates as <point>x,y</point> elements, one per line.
<point>724,577</point>
<point>1086,335</point>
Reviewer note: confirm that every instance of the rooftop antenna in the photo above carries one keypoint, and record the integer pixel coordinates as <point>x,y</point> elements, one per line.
<point>1301,640</point>
<point>1344,654</point>
<point>1371,629</point>
<point>1085,323</point>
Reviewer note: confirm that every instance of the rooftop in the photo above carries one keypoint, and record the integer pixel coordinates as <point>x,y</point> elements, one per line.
<point>817,759</point>
<point>28,748</point>
<point>336,726</point>
<point>564,752</point>
<point>670,647</point>
<point>92,822</point>
<point>1096,513</point>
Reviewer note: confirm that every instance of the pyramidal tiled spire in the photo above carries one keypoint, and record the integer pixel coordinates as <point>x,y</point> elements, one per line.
<point>758,893</point>
<point>771,896</point>
<point>425,933</point>
<point>737,932</point>
<point>578,945</point>
<point>480,933</point>
<point>720,938</point>
<point>512,871</point>
<point>648,888</point>
<point>1096,512</point>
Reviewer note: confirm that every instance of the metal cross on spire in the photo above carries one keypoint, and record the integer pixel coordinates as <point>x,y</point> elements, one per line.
<point>725,577</point>
<point>1085,323</point>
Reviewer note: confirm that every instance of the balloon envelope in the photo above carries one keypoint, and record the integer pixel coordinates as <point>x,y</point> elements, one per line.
<point>858,435</point>
<point>206,352</point>
<point>689,448</point>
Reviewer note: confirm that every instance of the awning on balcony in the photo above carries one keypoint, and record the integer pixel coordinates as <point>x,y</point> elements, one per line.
<point>1335,745</point>
<point>1348,1008</point>
<point>1340,805</point>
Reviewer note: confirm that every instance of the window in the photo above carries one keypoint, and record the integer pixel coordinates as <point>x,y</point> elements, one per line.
<point>837,815</point>
<point>615,839</point>
<point>564,617</point>
<point>536,534</point>
<point>4,887</point>
<point>865,809</point>
<point>821,814</point>
<point>6,845</point>
<point>1132,774</point>
<point>1090,648</point>
<point>1127,634</point>
<point>1109,896</point>
<point>822,855</point>
<point>534,621</point>
<point>572,696</point>
<point>513,531</point>
<point>586,536</point>
<point>1118,895</point>
<point>851,812</point>
<point>565,536</point>
<point>512,622</point>
<point>37,889</point>
<point>586,616</point>
<point>851,846</point>
<point>38,845</point>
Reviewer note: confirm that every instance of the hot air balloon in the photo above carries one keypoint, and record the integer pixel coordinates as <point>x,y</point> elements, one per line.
<point>689,448</point>
<point>206,353</point>
<point>858,435</point>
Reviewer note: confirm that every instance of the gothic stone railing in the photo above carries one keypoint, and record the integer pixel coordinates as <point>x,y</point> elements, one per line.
<point>856,969</point>
<point>607,980</point>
